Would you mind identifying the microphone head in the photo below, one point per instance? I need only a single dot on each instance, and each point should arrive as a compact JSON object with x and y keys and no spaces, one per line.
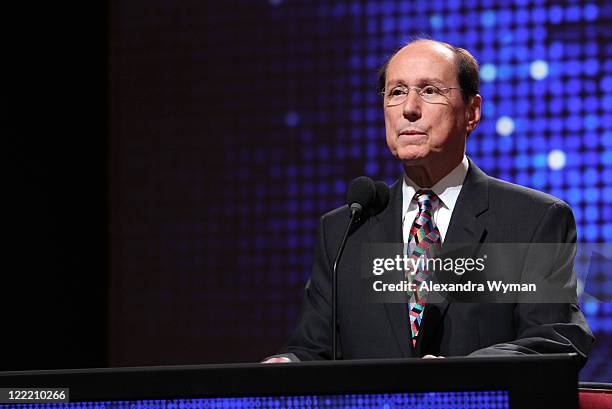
{"x":361,"y":192}
{"x":382,"y":197}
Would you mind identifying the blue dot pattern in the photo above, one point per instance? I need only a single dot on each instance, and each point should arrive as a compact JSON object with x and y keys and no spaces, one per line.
{"x":431,"y":400}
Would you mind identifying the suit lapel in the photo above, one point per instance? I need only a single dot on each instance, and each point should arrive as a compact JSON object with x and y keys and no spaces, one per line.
{"x":465,"y":227}
{"x":387,"y":228}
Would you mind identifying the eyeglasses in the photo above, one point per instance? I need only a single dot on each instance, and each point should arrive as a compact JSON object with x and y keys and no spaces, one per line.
{"x":428,"y":93}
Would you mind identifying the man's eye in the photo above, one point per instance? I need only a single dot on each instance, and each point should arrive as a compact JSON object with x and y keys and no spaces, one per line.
{"x":396,"y":92}
{"x":430,"y":90}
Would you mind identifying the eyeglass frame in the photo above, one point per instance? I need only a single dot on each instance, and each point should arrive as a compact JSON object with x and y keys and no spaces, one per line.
{"x":418,"y":90}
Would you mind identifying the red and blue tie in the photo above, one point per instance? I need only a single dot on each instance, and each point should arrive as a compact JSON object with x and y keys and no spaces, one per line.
{"x":425,"y":238}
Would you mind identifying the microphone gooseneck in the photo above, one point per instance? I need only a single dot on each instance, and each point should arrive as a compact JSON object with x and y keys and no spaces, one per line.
{"x":364,"y":196}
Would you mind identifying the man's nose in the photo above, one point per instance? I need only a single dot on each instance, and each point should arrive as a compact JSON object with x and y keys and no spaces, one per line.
{"x":411,"y":108}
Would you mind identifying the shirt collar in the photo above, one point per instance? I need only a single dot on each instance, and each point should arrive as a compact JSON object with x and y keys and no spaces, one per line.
{"x":447,"y":189}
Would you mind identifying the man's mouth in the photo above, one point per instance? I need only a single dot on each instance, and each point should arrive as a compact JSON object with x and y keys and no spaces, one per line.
{"x":412,"y":137}
{"x":412,"y":132}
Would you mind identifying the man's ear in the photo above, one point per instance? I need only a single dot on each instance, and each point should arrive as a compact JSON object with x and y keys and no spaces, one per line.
{"x":473,"y":112}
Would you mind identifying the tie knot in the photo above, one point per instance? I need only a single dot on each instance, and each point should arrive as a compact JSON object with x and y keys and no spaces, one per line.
{"x":426,"y":198}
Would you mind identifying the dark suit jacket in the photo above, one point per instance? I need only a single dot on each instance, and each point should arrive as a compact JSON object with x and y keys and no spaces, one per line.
{"x":487,"y":210}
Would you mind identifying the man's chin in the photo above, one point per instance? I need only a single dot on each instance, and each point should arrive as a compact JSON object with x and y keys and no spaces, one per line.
{"x":412,"y":158}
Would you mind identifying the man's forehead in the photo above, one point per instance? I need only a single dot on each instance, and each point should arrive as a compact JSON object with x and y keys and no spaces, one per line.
{"x":425,"y":59}
{"x":428,"y":47}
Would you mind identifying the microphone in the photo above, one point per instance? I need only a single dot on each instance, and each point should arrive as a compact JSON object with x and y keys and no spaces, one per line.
{"x":361,"y":194}
{"x":364,"y":196}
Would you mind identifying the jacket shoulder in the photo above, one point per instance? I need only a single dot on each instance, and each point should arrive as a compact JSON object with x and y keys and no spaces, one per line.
{"x":511,"y":194}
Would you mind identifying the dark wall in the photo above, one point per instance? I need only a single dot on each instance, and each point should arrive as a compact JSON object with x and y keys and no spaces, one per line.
{"x":205,"y":265}
{"x":55,"y":265}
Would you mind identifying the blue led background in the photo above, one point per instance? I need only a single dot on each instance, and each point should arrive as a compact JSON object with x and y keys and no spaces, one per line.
{"x":235,"y":125}
{"x":429,"y":400}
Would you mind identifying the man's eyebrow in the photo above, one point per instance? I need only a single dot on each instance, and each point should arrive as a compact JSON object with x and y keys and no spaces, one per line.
{"x":420,"y":82}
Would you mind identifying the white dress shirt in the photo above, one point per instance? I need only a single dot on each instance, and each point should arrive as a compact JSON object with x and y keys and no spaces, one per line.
{"x":447,"y":189}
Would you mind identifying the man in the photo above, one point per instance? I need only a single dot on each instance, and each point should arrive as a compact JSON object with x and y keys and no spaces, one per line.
{"x":431,"y":104}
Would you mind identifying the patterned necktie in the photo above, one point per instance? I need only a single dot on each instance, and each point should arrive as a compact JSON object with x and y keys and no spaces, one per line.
{"x":425,"y":237}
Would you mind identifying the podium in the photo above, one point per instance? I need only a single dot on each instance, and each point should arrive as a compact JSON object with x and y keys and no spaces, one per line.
{"x":542,"y":381}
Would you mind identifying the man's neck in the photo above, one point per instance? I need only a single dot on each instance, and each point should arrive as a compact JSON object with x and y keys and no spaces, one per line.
{"x":426,"y":176}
